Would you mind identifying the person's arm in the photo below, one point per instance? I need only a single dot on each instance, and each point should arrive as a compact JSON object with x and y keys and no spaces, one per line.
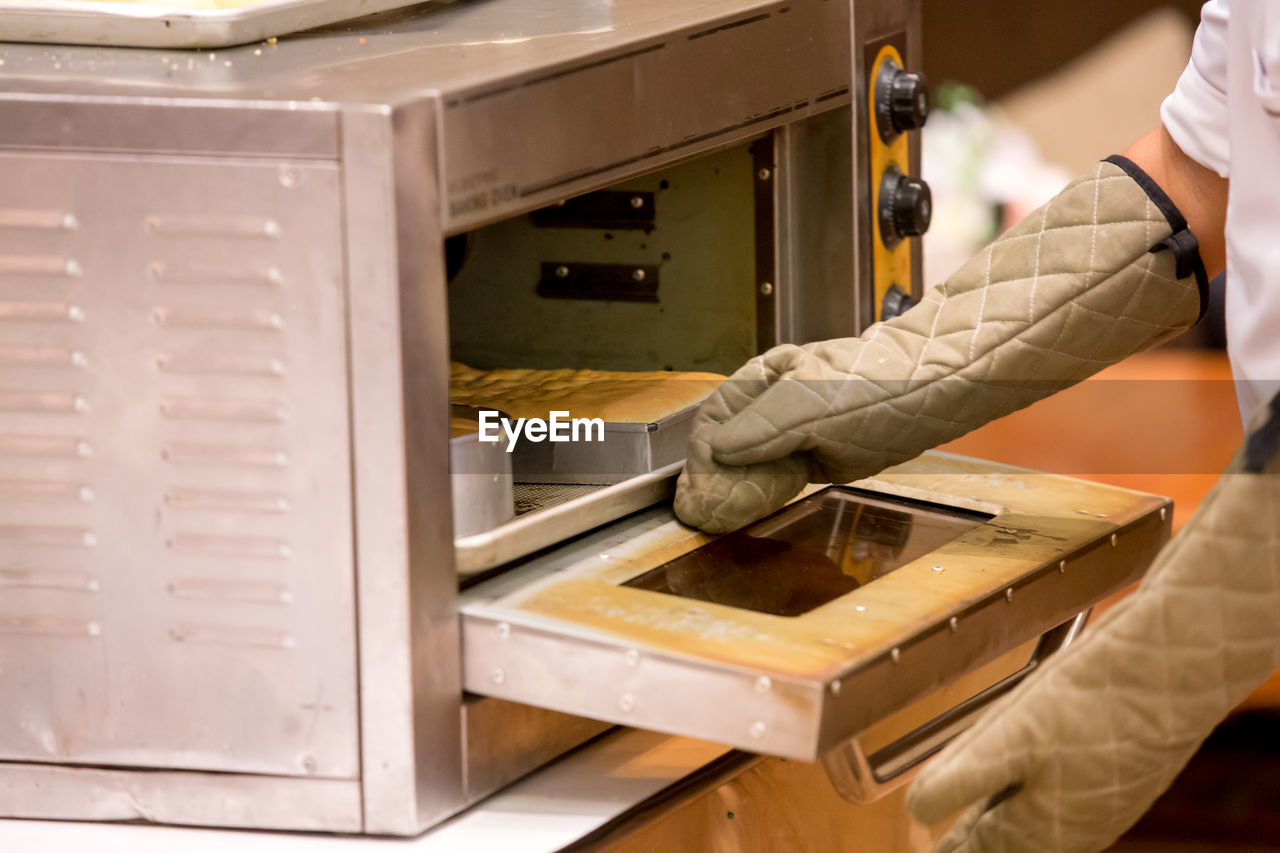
{"x":1199,"y":193}
{"x":1072,"y":758}
{"x":1106,"y":268}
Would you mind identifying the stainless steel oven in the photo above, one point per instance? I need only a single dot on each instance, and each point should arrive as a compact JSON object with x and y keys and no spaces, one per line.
{"x":231,"y":284}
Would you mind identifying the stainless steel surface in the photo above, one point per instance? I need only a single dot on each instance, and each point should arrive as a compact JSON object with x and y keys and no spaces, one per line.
{"x":863,"y":778}
{"x":530,"y":533}
{"x":176,"y":496}
{"x":813,"y":193}
{"x":411,"y":740}
{"x":500,"y":73}
{"x":177,"y":25}
{"x":625,"y":451}
{"x":562,"y":631}
{"x":480,"y":485}
{"x":75,"y":793}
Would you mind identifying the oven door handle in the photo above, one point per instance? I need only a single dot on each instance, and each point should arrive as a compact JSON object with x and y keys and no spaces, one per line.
{"x":863,"y":778}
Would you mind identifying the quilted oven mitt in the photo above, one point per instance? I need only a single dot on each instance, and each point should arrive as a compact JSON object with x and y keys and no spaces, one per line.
{"x":1079,"y":284}
{"x":1074,"y":755}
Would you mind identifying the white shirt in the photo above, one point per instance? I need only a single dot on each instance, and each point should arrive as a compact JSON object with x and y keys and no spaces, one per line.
{"x":1225,"y":115}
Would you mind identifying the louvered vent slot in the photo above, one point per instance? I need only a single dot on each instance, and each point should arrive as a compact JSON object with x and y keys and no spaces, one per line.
{"x":47,"y":496}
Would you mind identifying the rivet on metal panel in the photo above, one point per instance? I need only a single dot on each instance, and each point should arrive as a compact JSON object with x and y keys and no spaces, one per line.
{"x":895,"y":655}
{"x":835,"y":687}
{"x":758,"y":729}
{"x":94,"y":629}
{"x":79,"y":359}
{"x":766,"y":288}
{"x":1062,"y":567}
{"x":288,"y":176}
{"x":562,"y":271}
{"x":939,"y":569}
{"x":73,"y":267}
{"x":627,"y":702}
{"x":636,"y":201}
{"x":954,"y":623}
{"x":504,"y":630}
{"x":308,"y":764}
{"x":633,"y":657}
{"x":75,"y":314}
{"x":764,"y":684}
{"x":1114,"y":540}
{"x":84,"y":449}
{"x":637,"y":275}
{"x":89,"y":539}
{"x":271,"y":228}
{"x":497,"y":676}
{"x":69,"y":222}
{"x":1008,"y":594}
{"x":275,"y":276}
{"x":86,"y":494}
{"x":80,"y":404}
{"x":764,"y":174}
{"x":1163,"y":512}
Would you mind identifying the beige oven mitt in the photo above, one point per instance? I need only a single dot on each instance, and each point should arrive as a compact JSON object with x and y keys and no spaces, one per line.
{"x":1073,"y":756}
{"x":1079,"y":284}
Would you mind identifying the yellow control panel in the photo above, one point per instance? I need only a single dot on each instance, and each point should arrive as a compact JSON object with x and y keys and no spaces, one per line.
{"x":891,"y":259}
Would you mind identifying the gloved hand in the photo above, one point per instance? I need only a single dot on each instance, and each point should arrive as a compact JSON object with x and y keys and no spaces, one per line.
{"x":1077,"y":285}
{"x":1078,"y":752}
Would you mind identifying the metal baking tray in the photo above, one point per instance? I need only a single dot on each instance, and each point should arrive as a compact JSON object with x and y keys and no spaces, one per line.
{"x":173,"y":26}
{"x":536,"y":530}
{"x":627,"y":450}
{"x":481,"y":485}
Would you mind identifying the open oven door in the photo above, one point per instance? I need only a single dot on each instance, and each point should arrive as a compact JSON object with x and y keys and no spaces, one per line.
{"x":862,"y":625}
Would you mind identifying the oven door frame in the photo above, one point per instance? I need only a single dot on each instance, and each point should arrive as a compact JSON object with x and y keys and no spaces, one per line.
{"x":560,"y":631}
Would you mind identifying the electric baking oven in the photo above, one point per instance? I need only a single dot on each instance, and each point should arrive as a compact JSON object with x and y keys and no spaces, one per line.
{"x":235,"y":589}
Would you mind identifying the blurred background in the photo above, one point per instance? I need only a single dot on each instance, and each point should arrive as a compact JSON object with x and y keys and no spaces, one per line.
{"x":1027,"y":96}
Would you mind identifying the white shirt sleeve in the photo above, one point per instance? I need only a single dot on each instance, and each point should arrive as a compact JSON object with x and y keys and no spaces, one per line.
{"x":1195,"y":113}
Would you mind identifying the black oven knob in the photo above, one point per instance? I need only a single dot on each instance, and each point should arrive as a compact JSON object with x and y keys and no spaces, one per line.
{"x":902,"y":100}
{"x":905,"y":208}
{"x":896,"y":302}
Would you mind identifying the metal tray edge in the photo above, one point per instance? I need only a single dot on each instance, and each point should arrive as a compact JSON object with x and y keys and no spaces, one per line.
{"x":146,"y":25}
{"x":515,"y":539}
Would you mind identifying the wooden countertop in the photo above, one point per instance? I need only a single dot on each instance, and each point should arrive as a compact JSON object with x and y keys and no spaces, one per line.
{"x":1164,"y":422}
